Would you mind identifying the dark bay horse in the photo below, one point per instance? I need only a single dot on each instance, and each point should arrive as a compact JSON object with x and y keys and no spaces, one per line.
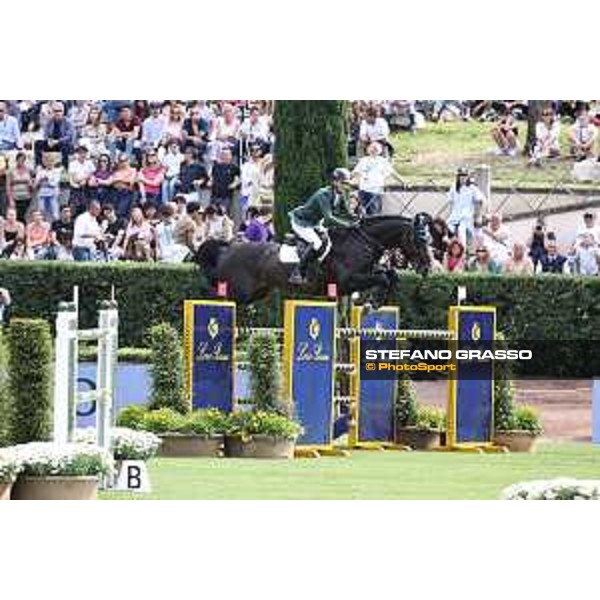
{"x":253,"y":271}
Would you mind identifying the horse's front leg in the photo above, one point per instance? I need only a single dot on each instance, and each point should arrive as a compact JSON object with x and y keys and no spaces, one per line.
{"x":378,"y":284}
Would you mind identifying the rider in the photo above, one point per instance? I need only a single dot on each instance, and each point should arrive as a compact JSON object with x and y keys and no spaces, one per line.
{"x":326,"y":207}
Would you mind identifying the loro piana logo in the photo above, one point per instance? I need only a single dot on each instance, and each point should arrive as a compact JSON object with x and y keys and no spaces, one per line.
{"x":213,"y":328}
{"x":314,"y":328}
{"x":476,"y":332}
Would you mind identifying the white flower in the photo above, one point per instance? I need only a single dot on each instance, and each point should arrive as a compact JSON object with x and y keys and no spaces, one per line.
{"x":126,"y":444}
{"x":554,"y":489}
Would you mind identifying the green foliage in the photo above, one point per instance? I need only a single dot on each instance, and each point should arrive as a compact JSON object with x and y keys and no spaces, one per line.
{"x":30,"y":376}
{"x":5,"y":404}
{"x":526,"y":418}
{"x":504,"y":389}
{"x":311,"y":142}
{"x":265,"y":374}
{"x":166,"y":369}
{"x":210,"y":421}
{"x":430,"y":417}
{"x":163,"y":420}
{"x":406,"y":402}
{"x":247,"y":424}
{"x":132,"y":416}
{"x":124,"y":355}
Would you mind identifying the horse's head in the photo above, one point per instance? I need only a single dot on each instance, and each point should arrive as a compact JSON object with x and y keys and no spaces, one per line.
{"x":423,"y":224}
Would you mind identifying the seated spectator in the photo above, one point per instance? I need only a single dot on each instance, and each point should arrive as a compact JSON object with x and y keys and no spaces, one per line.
{"x":47,"y":185}
{"x":37,"y":235}
{"x":62,"y":228}
{"x":81,"y":171}
{"x":553,"y":261}
{"x":519,"y":263}
{"x":87,"y":233}
{"x":78,"y":115}
{"x":255,"y":130}
{"x":4,"y":171}
{"x":374,"y":128}
{"x":153,"y":127}
{"x":59,"y":136}
{"x":496,"y":238}
{"x":102,"y":180}
{"x":151,"y":177}
{"x":225,"y":180}
{"x":189,"y":227}
{"x":483,"y":263}
{"x":505,"y":133}
{"x":168,"y":250}
{"x":217,"y":225}
{"x":11,"y":230}
{"x":113,"y":232}
{"x":139,"y":236}
{"x":196,"y":131}
{"x":171,"y":161}
{"x":141,"y":109}
{"x":582,"y":137}
{"x":454,"y":261}
{"x":124,"y":136}
{"x":588,"y":227}
{"x":94,"y":132}
{"x":371,"y":173}
{"x":440,"y":235}
{"x":537,"y":244}
{"x":255,"y":228}
{"x":547,"y":136}
{"x":174,"y":123}
{"x":124,"y":181}
{"x":587,"y":256}
{"x":226,"y":131}
{"x":20,"y":186}
{"x":10,"y":132}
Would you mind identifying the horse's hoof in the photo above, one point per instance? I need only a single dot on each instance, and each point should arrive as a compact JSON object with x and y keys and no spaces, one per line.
{"x":367,"y":308}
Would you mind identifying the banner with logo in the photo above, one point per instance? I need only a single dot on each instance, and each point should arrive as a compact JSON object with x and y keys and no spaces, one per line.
{"x":209,"y":334}
{"x":309,"y":357}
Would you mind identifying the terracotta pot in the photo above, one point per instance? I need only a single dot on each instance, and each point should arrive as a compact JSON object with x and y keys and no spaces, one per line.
{"x":419,"y":439}
{"x":259,"y":446}
{"x":55,"y":488}
{"x":183,"y":445}
{"x":516,"y":441}
{"x":5,"y":488}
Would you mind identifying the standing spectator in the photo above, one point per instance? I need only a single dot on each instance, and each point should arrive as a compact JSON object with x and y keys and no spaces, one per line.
{"x":586,"y":256}
{"x":171,"y":160}
{"x":250,"y":179}
{"x":193,"y":177}
{"x":11,"y":231}
{"x":255,"y":130}
{"x":537,"y":244}
{"x":372,"y":171}
{"x":59,"y":136}
{"x":153,"y":128}
{"x":225,"y":180}
{"x":20,"y":185}
{"x":87,"y":233}
{"x":582,"y":137}
{"x":454,"y":262}
{"x":81,"y":171}
{"x":374,"y":128}
{"x":124,"y":180}
{"x":505,"y":134}
{"x":47,"y":184}
{"x":125,"y":133}
{"x":519,"y":263}
{"x":94,"y":132}
{"x":151,"y":178}
{"x":553,"y":261}
{"x":588,"y":227}
{"x":10,"y":132}
{"x":547,"y":134}
{"x":37,"y":235}
{"x":101,"y":182}
{"x":463,"y":198}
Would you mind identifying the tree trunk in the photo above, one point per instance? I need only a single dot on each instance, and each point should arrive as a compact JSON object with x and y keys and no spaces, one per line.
{"x":534,"y":114}
{"x":310,"y":141}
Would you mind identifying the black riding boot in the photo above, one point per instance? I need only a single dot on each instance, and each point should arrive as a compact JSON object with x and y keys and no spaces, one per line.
{"x":298,"y":275}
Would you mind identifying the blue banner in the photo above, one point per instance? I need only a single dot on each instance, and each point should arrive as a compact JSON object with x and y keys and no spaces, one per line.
{"x":310,"y":371}
{"x":210,"y":353}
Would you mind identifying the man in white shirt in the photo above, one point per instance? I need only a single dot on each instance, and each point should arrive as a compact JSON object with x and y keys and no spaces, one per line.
{"x":371,"y":172}
{"x":81,"y":169}
{"x":250,"y":176}
{"x":254,"y":129}
{"x":588,"y":227}
{"x":374,"y":129}
{"x":10,"y":132}
{"x":86,"y":233}
{"x":153,"y":128}
{"x":582,"y":137}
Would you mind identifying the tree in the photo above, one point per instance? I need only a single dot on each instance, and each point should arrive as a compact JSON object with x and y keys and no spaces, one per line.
{"x":534,"y":113}
{"x":311,"y":141}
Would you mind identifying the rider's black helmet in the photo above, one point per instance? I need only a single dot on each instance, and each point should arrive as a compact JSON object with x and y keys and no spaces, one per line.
{"x":341,"y":174}
{"x":462,"y":171}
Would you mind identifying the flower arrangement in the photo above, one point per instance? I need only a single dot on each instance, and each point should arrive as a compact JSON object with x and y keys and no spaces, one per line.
{"x":248,"y":424}
{"x":126,"y":444}
{"x":9,"y":466}
{"x":47,"y":459}
{"x":554,"y":489}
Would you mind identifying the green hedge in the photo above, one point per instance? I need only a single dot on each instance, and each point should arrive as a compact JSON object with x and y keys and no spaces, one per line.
{"x":5,"y":404}
{"x":549,"y":307}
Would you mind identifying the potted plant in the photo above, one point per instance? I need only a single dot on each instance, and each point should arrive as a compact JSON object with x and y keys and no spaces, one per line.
{"x":261,"y":434}
{"x":199,"y":433}
{"x":9,"y":469}
{"x":520,"y":431}
{"x":52,"y":471}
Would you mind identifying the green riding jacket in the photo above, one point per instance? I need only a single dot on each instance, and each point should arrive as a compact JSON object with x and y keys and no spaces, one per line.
{"x":323,"y":207}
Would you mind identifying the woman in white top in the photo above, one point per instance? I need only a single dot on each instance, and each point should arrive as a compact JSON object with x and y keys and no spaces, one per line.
{"x":547,"y":134}
{"x":463,"y":198}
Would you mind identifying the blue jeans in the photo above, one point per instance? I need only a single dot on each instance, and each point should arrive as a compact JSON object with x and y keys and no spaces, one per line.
{"x":168,"y":189}
{"x":371,"y":203}
{"x":123,"y":200}
{"x":82,"y":254}
{"x":48,"y":205}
